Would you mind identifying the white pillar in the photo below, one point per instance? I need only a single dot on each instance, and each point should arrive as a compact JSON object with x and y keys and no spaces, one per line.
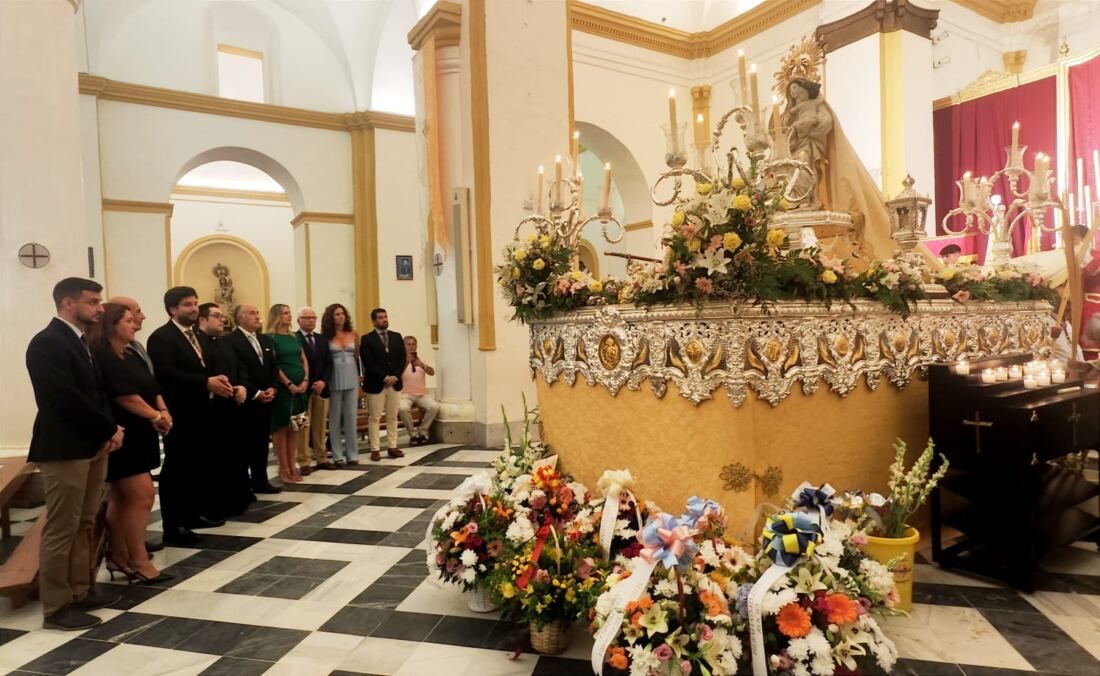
{"x":41,"y":192}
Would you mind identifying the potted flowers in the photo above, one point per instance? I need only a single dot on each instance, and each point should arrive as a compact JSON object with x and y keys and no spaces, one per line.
{"x":890,"y":538}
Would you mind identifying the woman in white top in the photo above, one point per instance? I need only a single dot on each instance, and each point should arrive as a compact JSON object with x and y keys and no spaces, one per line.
{"x":414,"y":391}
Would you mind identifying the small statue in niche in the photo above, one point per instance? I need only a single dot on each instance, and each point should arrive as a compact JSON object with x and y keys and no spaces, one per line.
{"x":223,"y":295}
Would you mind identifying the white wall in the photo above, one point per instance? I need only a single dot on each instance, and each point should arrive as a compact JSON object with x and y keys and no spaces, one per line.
{"x":135,"y":262}
{"x":264,"y":225}
{"x":856,"y":100}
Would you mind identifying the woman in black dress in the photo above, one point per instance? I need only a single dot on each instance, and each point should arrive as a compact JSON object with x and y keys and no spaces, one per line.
{"x":140,"y":410}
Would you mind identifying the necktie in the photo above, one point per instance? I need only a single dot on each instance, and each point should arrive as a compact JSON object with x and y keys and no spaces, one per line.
{"x":194,"y":340}
{"x":256,"y":346}
{"x":84,"y":344}
{"x":385,"y":341}
{"x":309,"y":341}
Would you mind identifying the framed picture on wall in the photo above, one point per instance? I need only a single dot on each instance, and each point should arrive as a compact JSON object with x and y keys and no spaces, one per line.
{"x":404,"y":267}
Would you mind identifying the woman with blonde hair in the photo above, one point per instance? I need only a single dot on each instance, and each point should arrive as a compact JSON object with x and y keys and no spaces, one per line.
{"x":291,"y":392}
{"x":138,"y":407}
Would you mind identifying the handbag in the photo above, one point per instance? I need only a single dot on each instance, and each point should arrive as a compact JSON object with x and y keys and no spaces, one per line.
{"x":298,"y":421}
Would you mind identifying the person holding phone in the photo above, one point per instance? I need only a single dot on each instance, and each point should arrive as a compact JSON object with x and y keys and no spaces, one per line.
{"x":415,"y":392}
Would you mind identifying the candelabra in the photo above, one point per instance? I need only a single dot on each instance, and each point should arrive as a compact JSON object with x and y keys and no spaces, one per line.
{"x":985,"y":212}
{"x":567,"y":220}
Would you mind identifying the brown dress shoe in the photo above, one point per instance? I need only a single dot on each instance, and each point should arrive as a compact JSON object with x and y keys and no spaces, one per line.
{"x":396,"y":453}
{"x":306,"y":470}
{"x":375,"y":456}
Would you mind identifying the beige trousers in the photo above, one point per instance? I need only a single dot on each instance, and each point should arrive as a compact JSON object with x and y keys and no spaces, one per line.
{"x":74,"y":491}
{"x":318,"y":418}
{"x":387,"y":401}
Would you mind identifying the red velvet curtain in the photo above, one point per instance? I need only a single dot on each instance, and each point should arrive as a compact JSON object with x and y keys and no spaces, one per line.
{"x":1084,"y":102}
{"x":972,"y":136}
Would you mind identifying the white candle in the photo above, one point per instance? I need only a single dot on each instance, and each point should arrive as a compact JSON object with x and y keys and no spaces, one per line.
{"x":1015,"y":137}
{"x":755,"y":96}
{"x":1002,"y":374}
{"x":1043,"y":379}
{"x":540,"y":190}
{"x":968,"y":188}
{"x":605,"y":197}
{"x":1096,"y":170}
{"x":963,"y":368}
{"x":1058,"y":377}
{"x":1086,"y":205}
{"x":1080,"y":176}
{"x":672,"y":119}
{"x":557,"y":179}
{"x":1030,"y":383}
{"x":742,"y":74}
{"x":1072,"y":213}
{"x":1015,"y":371}
{"x":575,"y":151}
{"x":988,"y":376}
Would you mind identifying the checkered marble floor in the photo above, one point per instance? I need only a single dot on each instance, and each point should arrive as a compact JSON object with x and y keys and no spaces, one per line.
{"x":327,"y":578}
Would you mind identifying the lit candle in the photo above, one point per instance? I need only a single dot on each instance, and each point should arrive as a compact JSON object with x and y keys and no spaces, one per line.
{"x":580,"y":193}
{"x":1015,"y":371}
{"x":540,"y":190}
{"x":1096,"y":170}
{"x":1015,"y":137}
{"x":672,"y":126}
{"x":1058,"y":377}
{"x":755,"y":96}
{"x":605,"y":197}
{"x":1030,"y":383}
{"x":1080,"y":176}
{"x":969,"y":190}
{"x":963,"y":367}
{"x":575,"y":151}
{"x":1043,"y":379}
{"x":700,"y":133}
{"x":742,"y":74}
{"x":1086,"y":204}
{"x":989,"y":376}
{"x":557,"y":179}
{"x":1002,"y":374}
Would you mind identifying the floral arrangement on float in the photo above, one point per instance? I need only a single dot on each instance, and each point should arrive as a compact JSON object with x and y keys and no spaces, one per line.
{"x":1004,"y":282}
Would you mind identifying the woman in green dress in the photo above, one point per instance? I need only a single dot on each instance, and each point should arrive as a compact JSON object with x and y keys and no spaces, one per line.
{"x":291,"y":396}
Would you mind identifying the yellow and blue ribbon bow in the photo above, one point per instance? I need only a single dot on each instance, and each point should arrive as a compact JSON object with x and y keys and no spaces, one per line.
{"x":788,"y":536}
{"x":815,"y":499}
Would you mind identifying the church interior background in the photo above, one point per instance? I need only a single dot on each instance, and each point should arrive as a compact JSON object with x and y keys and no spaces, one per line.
{"x":292,"y":151}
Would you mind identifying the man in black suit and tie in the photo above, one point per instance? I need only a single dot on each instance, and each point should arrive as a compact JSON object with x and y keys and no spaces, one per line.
{"x":73,"y":433}
{"x":179,"y":362}
{"x":230,"y":467}
{"x":319,"y":358}
{"x":256,"y":359}
{"x":382,"y":353}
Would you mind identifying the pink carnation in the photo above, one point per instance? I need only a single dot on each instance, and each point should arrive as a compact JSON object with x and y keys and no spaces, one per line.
{"x":681,"y":268}
{"x":688,"y":230}
{"x":704,"y":284}
{"x":715,"y":243}
{"x":962,"y":295}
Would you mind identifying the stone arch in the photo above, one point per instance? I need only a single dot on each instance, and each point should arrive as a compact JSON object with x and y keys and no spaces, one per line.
{"x":627,"y":174}
{"x":263,"y":162}
{"x":248,"y":253}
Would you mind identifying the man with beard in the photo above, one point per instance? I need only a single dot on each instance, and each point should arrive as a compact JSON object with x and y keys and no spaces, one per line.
{"x":228,"y":467}
{"x":180,"y":364}
{"x":74,"y":431}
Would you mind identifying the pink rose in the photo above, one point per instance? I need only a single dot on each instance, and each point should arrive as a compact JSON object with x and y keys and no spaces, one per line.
{"x":542,"y":576}
{"x":706,"y":633}
{"x":685,"y":667}
{"x":663,"y":652}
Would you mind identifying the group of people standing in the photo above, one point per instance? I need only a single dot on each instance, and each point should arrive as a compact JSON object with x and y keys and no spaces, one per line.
{"x":217,"y":398}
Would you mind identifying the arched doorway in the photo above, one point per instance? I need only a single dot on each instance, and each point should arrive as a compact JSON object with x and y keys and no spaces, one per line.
{"x":224,"y":269}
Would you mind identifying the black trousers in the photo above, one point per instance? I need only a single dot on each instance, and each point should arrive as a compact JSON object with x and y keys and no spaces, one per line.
{"x":181,"y":473}
{"x":229,"y":478}
{"x":254,"y":439}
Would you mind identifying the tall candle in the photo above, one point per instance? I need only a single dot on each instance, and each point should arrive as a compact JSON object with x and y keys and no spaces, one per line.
{"x":540,"y":191}
{"x":755,"y":95}
{"x":605,"y":197}
{"x":968,"y":187}
{"x":700,"y":132}
{"x":1072,"y":213}
{"x":557,"y":179}
{"x":1080,"y":176}
{"x":672,"y":114}
{"x":742,"y":74}
{"x":1015,"y":137}
{"x":574,"y":152}
{"x":1042,"y":173}
{"x":1086,"y":204}
{"x":1096,"y":170}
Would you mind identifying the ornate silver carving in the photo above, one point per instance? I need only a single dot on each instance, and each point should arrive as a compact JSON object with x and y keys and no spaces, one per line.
{"x":745,"y":348}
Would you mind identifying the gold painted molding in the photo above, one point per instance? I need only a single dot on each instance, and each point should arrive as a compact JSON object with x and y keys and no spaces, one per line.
{"x":443,"y":20}
{"x":640,"y":225}
{"x":631,"y":30}
{"x":322,"y":217}
{"x":1014,"y":61}
{"x":138,"y":207}
{"x":125,"y":92}
{"x":1001,"y":11}
{"x":176,"y":273}
{"x":483,"y":230}
{"x":240,"y":51}
{"x":991,"y":82}
{"x":204,"y":191}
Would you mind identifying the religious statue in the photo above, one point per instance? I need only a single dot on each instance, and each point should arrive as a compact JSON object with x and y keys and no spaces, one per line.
{"x":223,"y":295}
{"x":808,"y":122}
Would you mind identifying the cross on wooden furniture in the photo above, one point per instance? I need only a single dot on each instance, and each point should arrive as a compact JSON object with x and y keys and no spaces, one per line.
{"x":34,"y":255}
{"x":977,"y":423}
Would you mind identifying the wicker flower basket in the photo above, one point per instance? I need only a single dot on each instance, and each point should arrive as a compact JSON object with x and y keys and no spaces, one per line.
{"x":478,"y":599}
{"x":552,"y":639}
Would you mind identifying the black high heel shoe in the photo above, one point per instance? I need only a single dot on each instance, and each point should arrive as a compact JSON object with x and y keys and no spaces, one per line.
{"x":114,"y":567}
{"x":145,"y":579}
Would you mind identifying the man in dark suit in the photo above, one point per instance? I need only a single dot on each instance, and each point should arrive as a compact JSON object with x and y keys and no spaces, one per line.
{"x":179,"y":362}
{"x":73,"y":433}
{"x":256,"y":359}
{"x":382,"y":353}
{"x":230,"y":467}
{"x":319,"y":358}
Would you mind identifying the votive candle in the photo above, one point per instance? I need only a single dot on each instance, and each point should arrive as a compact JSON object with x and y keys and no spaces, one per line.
{"x":1030,"y":383}
{"x":1002,"y":374}
{"x":963,"y":368}
{"x":1058,"y":377}
{"x":1015,"y":371}
{"x":1043,"y":378}
{"x":989,"y":376}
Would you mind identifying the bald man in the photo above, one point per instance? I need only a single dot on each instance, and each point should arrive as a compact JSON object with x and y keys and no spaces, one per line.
{"x":256,"y":362}
{"x":139,"y":318}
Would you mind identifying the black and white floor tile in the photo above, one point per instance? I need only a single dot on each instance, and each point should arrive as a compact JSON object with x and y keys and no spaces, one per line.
{"x":328,"y":578}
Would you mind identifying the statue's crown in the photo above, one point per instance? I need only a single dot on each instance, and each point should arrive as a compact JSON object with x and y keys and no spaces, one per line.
{"x":802,"y":62}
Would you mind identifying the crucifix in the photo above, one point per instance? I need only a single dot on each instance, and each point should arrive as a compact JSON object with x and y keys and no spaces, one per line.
{"x":977,"y":423}
{"x":437,"y":263}
{"x":34,"y":255}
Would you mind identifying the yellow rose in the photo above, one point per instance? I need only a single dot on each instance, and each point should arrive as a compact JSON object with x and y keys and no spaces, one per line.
{"x":947,"y":273}
{"x":520,"y":254}
{"x":577,"y":275}
{"x":738,"y":183}
{"x":776,"y":238}
{"x":507,"y":590}
{"x":704,"y":188}
{"x":539,"y":264}
{"x":595,"y":286}
{"x":784,"y":204}
{"x":741,"y":203}
{"x":694,"y":244}
{"x":731,"y":241}
{"x":678,"y":218}
{"x":544,"y":241}
{"x":515,"y":273}
{"x":531,"y":239}
{"x":829,"y":277}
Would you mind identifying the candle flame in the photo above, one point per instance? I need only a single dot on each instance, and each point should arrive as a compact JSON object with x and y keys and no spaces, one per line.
{"x":740,"y":52}
{"x":541,"y":170}
{"x":557,"y":158}
{"x":1015,"y":125}
{"x":671,"y":93}
{"x":699,"y":117}
{"x":607,"y":166}
{"x":752,"y":68}
{"x":576,"y":134}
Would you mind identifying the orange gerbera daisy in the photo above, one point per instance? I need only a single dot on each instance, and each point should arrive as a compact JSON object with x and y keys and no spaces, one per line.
{"x":714,"y":604}
{"x":842,"y":610}
{"x":794,"y":621}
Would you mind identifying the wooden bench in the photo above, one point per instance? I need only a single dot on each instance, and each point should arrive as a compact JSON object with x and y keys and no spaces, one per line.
{"x":19,"y":574}
{"x":13,"y":474}
{"x":362,"y":419}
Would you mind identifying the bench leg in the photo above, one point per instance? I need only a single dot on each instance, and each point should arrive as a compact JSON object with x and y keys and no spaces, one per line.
{"x":5,"y":522}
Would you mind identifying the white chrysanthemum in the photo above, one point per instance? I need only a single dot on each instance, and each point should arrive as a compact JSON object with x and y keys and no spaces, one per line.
{"x":579,"y":489}
{"x":469,"y":576}
{"x":520,"y":531}
{"x":818,"y":643}
{"x":710,"y":556}
{"x":665,"y":588}
{"x":823,"y":665}
{"x":481,"y":568}
{"x":799,"y":669}
{"x":450,"y":521}
{"x":798,"y":649}
{"x":774,"y":601}
{"x":877,"y":575}
{"x":642,"y":661}
{"x":468,"y":557}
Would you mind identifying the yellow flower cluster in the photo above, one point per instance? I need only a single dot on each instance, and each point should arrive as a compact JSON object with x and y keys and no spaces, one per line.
{"x":538,"y":264}
{"x":741,"y":202}
{"x":776,"y":238}
{"x":731,"y":240}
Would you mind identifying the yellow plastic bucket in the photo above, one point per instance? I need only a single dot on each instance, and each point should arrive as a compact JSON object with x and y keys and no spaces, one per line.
{"x":885,"y":550}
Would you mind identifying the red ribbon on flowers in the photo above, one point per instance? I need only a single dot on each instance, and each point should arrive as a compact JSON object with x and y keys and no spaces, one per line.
{"x":540,"y":541}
